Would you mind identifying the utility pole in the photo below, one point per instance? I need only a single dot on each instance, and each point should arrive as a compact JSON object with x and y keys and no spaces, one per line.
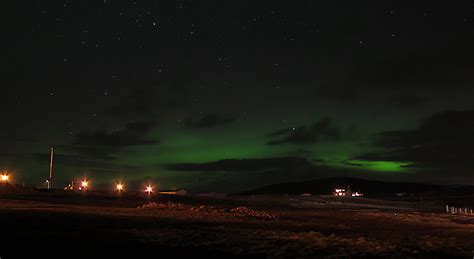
{"x":50,"y":183}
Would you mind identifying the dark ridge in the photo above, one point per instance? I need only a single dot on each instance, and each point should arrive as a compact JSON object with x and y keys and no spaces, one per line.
{"x":368,"y":187}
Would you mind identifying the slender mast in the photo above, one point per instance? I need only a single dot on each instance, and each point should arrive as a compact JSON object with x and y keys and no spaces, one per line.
{"x":51,"y":169}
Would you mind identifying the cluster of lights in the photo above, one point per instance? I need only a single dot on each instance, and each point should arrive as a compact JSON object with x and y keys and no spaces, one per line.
{"x":340,"y":192}
{"x":119,"y":187}
{"x":84,"y":185}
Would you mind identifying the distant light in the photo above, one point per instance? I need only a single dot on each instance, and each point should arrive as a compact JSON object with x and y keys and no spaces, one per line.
{"x":5,"y":177}
{"x":120,"y":187}
{"x":84,"y":184}
{"x":340,"y":192}
{"x":149,"y":189}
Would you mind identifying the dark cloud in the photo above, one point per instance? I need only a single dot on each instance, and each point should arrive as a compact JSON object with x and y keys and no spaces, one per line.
{"x":102,"y":144}
{"x":175,"y":91}
{"x":305,"y":135}
{"x":345,"y":93}
{"x":407,"y":100}
{"x":426,"y":67}
{"x":243,"y":164}
{"x":138,"y":102}
{"x":408,"y":75}
{"x":318,"y":160}
{"x":149,"y":102}
{"x":444,"y":140}
{"x":95,"y":151}
{"x":353,"y":164}
{"x":304,"y":151}
{"x":132,"y":135}
{"x":76,"y":160}
{"x":102,"y":153}
{"x":207,"y":121}
{"x":17,"y":139}
{"x":62,"y":158}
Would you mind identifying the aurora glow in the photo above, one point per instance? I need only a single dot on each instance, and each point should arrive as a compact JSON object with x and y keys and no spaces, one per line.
{"x":383,"y":166}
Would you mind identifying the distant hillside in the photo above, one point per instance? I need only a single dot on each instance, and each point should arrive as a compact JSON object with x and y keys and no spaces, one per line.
{"x":368,"y":187}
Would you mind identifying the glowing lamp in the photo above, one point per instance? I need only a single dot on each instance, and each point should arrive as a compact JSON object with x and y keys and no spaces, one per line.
{"x":119,"y":187}
{"x":5,"y":177}
{"x":84,"y":184}
{"x":149,"y":189}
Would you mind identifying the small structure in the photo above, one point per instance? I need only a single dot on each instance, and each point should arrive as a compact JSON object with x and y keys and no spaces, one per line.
{"x":174,"y":192}
{"x":347,"y":192}
{"x":339,"y":192}
{"x":357,"y":194}
{"x":70,"y":187}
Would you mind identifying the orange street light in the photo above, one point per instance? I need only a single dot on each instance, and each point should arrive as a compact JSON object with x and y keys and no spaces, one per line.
{"x":149,"y":189}
{"x":84,"y":184}
{"x":5,"y":177}
{"x":119,"y":187}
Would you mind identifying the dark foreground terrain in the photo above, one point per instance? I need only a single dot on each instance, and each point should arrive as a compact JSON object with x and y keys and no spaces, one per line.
{"x":250,"y":226}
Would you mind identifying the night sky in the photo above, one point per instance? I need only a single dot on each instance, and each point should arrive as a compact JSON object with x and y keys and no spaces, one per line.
{"x":227,"y":96}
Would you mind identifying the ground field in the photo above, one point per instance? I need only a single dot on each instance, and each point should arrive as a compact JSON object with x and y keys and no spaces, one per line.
{"x":260,"y":226}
